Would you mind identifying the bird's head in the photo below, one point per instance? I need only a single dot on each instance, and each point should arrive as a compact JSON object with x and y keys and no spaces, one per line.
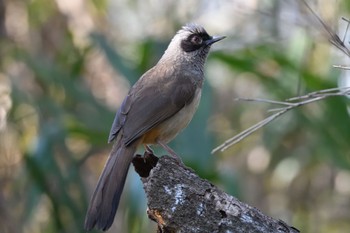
{"x":192,"y":42}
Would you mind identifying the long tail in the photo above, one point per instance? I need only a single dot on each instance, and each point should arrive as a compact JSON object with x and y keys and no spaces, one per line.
{"x":104,"y":202}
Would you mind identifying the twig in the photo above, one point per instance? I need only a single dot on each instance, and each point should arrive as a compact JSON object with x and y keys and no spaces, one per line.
{"x":333,"y":37}
{"x":264,"y":101}
{"x":306,"y":99}
{"x":239,"y":137}
{"x":342,"y":67}
{"x":347,"y":27}
{"x":336,"y":90}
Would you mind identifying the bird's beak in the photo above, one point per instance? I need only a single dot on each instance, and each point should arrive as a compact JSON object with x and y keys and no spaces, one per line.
{"x":214,"y":39}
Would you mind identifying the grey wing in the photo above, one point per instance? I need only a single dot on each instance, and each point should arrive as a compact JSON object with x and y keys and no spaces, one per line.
{"x":120,"y":117}
{"x":153,"y":103}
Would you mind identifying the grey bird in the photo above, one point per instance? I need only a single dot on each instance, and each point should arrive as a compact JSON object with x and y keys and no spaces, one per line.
{"x":158,"y":106}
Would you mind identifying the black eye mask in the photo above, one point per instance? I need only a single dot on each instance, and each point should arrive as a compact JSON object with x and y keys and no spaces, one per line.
{"x":188,"y":45}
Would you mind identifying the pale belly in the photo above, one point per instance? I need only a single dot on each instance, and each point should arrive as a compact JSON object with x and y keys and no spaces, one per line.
{"x":168,"y":130}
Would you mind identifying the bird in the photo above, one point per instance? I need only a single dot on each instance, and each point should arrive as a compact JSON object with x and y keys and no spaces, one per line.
{"x":157,"y":107}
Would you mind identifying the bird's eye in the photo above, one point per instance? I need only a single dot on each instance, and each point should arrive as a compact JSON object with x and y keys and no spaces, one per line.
{"x":196,"y":40}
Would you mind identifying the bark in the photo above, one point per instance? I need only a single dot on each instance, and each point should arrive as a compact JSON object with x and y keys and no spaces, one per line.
{"x":180,"y":201}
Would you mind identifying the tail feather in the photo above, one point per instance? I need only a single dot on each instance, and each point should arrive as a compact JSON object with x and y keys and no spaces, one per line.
{"x":105,"y":199}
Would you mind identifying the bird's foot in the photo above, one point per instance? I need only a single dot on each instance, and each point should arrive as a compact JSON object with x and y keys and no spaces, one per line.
{"x":148,"y":149}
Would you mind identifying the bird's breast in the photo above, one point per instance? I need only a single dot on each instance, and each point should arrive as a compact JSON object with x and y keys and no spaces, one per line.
{"x":167,"y":130}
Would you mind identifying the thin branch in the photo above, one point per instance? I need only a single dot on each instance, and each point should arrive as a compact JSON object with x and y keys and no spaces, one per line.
{"x":342,"y":67}
{"x":264,"y":101}
{"x":239,"y":137}
{"x":347,"y":27}
{"x":336,"y":91}
{"x":306,"y":99}
{"x":333,"y":37}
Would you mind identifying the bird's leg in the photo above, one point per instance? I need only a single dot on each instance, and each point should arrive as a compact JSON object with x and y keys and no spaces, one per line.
{"x":148,"y":149}
{"x":149,"y":161}
{"x":148,"y":152}
{"x":169,"y":150}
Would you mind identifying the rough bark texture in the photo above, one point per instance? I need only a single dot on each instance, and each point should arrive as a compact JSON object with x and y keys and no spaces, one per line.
{"x":180,"y":201}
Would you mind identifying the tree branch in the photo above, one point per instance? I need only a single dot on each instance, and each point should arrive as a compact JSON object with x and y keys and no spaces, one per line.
{"x":180,"y":201}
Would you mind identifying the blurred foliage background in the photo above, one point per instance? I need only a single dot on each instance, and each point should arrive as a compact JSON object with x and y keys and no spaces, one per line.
{"x":65,"y":67}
